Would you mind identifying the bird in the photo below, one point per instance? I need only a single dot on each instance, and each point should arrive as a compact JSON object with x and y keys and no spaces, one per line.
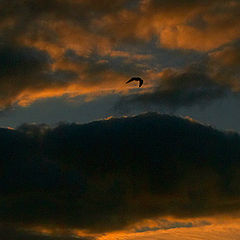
{"x":136,"y":79}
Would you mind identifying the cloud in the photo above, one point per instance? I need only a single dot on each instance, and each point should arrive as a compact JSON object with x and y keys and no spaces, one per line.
{"x":186,"y":24}
{"x":28,"y":74}
{"x":110,"y":174}
{"x":35,"y":35}
{"x":112,"y":42}
{"x":218,"y":231}
{"x":228,"y":56}
{"x":25,"y":71}
{"x":175,"y":89}
{"x":165,"y":224}
{"x":9,"y":233}
{"x":200,"y":83}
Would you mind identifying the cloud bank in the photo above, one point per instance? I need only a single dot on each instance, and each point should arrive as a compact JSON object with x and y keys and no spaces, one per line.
{"x":110,"y":174}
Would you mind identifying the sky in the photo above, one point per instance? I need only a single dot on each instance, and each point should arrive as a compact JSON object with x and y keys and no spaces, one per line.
{"x":85,"y":155}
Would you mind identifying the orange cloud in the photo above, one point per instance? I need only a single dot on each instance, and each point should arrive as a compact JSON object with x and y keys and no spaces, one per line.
{"x":130,"y":55}
{"x":105,"y":31}
{"x":216,"y":229}
{"x":219,"y":228}
{"x":193,"y":25}
{"x":72,"y":90}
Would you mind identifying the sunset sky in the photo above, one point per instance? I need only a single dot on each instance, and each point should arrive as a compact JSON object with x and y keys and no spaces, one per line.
{"x":86,"y":156}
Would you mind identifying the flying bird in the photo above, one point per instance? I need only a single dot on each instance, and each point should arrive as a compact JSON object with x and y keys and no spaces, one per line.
{"x":136,"y":79}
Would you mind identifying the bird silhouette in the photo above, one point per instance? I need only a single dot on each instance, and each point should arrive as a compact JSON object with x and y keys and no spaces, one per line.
{"x":136,"y":79}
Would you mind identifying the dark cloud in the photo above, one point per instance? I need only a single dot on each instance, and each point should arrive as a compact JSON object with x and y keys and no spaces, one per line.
{"x":24,"y":70}
{"x":106,"y":175}
{"x":177,"y":88}
{"x":97,"y":66}
{"x":33,"y":19}
{"x":9,"y":233}
{"x":214,"y":77}
{"x":164,"y":224}
{"x":20,"y":60}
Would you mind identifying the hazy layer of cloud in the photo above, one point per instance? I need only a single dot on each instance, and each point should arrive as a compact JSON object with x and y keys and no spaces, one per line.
{"x":110,"y":174}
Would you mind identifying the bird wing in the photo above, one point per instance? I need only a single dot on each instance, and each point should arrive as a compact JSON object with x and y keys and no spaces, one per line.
{"x":130,"y":80}
{"x":140,"y":82}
